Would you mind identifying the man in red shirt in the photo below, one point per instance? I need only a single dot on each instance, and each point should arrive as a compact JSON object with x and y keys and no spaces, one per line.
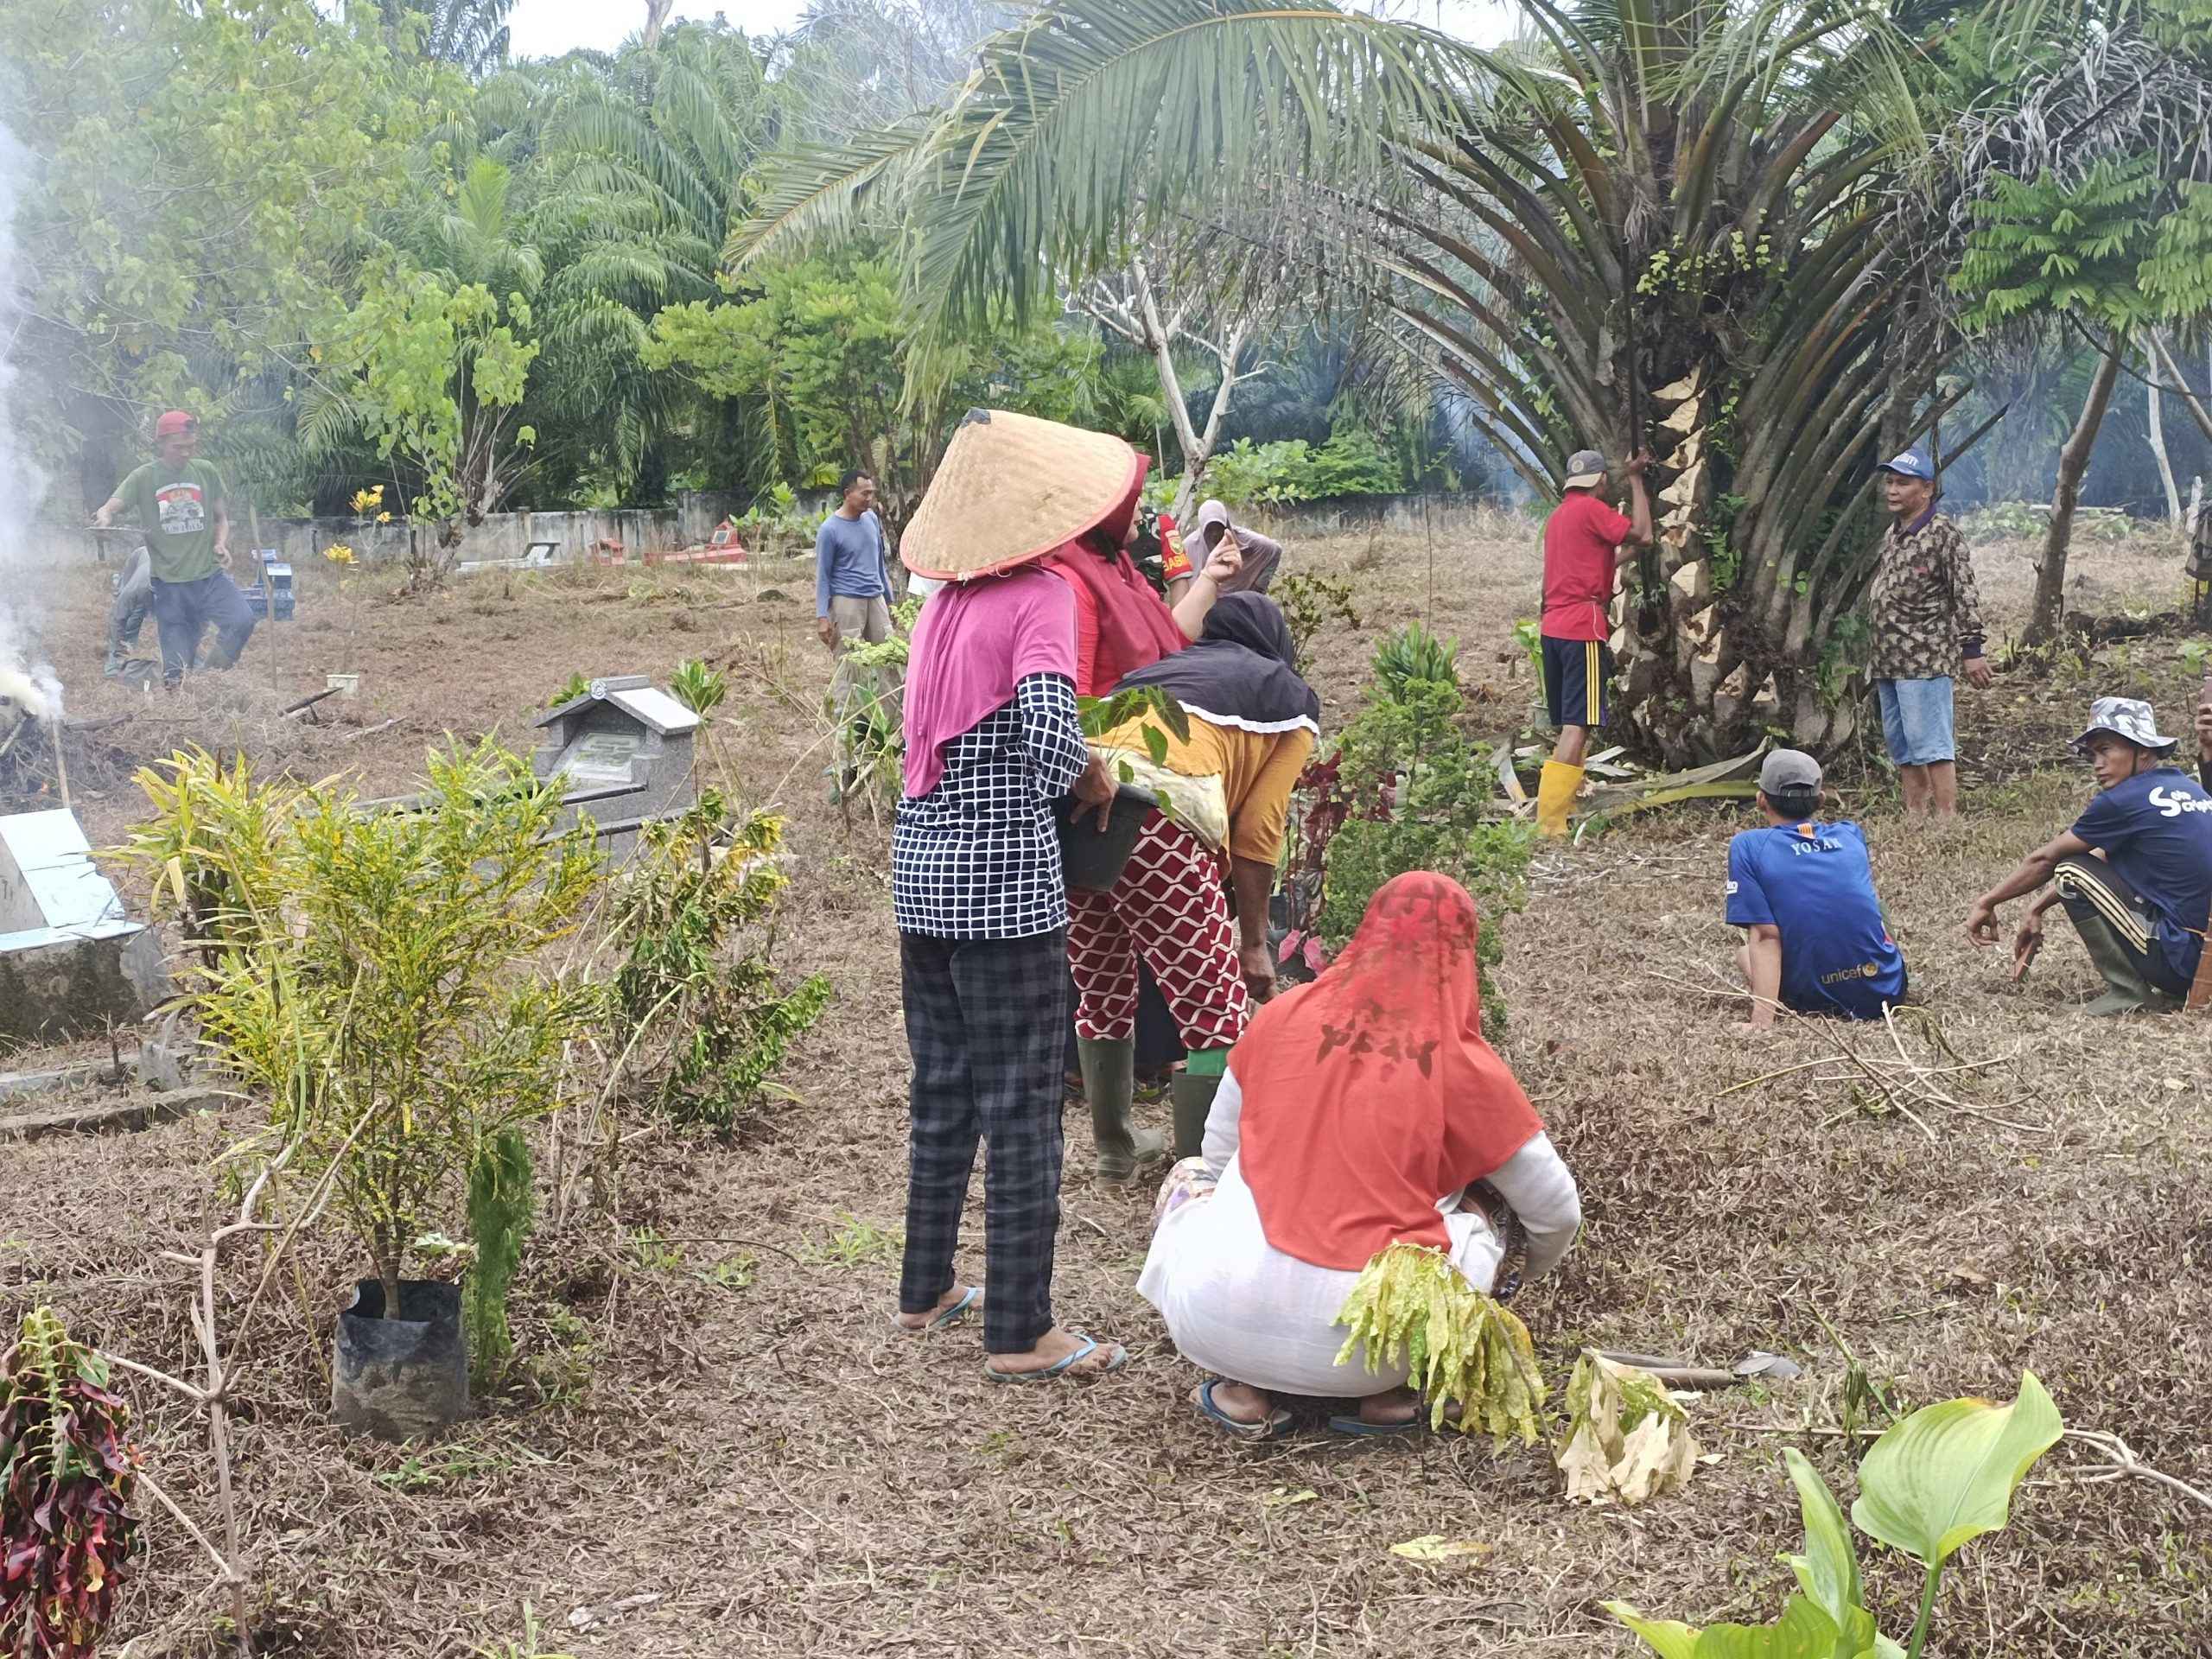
{"x":1585,"y":541}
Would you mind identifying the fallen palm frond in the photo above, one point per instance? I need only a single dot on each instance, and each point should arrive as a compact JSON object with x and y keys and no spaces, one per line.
{"x":1878,"y":1083}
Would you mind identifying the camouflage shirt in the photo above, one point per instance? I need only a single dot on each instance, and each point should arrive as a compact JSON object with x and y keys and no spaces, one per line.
{"x":1925,"y":614}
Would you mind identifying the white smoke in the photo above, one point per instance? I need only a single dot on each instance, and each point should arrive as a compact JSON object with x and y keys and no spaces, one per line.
{"x":22,"y":480}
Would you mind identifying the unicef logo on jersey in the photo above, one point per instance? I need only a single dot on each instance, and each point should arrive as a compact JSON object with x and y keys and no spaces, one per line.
{"x":2172,"y":803}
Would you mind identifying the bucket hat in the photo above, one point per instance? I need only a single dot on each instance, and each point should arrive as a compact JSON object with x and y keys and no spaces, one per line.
{"x":2127,"y":717}
{"x":1010,"y":489}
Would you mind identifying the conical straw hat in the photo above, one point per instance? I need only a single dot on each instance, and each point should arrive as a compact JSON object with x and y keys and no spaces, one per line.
{"x":1010,"y":489}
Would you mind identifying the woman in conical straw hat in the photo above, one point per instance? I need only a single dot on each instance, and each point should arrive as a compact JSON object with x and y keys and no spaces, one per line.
{"x":1009,"y":482}
{"x":993,"y":741}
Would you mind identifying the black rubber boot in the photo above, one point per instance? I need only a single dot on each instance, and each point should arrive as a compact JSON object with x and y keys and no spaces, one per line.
{"x":1109,"y":1085}
{"x":1193,"y":1098}
{"x":2129,"y":989}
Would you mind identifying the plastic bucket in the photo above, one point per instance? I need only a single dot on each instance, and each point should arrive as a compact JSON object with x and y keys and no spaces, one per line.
{"x":404,"y":1378}
{"x":1092,"y":858}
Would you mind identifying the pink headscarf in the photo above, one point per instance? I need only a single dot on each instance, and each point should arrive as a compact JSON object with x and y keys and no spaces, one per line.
{"x":974,"y":642}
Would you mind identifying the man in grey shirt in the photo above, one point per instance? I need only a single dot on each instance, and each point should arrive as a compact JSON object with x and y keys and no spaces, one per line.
{"x":852,"y":601}
{"x":852,"y":577}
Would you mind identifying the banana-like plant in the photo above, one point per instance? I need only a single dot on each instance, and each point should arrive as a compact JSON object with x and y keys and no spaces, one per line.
{"x":1703,"y":228}
{"x":1934,"y":1483}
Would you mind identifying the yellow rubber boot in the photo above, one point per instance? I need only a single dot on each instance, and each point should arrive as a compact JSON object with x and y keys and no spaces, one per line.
{"x":1555,"y":792}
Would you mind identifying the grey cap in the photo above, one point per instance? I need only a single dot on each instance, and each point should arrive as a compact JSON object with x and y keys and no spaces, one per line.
{"x":2127,"y":717}
{"x":1584,"y":467}
{"x":1788,"y":769}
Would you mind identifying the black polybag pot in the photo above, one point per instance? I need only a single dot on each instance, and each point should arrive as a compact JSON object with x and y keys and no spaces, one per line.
{"x":400,"y":1379}
{"x":1092,"y":858}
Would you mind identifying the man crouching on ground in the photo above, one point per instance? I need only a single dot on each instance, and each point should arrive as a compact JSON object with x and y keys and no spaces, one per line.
{"x":2134,"y":873}
{"x":1804,"y":890}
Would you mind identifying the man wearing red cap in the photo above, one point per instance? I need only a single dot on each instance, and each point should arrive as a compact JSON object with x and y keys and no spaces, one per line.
{"x":179,"y":504}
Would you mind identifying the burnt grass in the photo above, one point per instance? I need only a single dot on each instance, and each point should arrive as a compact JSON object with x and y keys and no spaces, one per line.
{"x":710,"y":1405}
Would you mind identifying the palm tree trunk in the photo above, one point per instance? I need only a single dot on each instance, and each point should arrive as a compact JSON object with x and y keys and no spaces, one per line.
{"x":2066,"y":493}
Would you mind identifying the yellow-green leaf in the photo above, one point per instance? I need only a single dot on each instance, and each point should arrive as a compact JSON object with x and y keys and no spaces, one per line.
{"x":1437,"y":1548}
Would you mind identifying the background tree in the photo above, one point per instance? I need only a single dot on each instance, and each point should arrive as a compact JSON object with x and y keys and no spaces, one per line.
{"x":1716,"y":201}
{"x":2073,"y":252}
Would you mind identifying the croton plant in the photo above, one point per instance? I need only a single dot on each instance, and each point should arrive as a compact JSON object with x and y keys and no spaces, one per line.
{"x":66,"y":1479}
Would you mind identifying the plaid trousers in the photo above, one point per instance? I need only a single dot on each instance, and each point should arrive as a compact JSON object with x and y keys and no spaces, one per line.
{"x":986,"y":1020}
{"x":1168,"y":907}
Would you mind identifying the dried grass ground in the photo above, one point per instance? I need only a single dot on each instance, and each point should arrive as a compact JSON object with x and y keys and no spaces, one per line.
{"x":760,"y":1447}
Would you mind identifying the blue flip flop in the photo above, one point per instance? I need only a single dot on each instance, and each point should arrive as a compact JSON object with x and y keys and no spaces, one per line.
{"x":1089,"y":1346}
{"x":951,"y":1316}
{"x":1359,"y":1428}
{"x":1273,"y":1424}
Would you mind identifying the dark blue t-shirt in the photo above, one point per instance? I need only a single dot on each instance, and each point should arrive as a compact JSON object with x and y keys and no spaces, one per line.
{"x":2155,"y":829}
{"x":1813,"y":881}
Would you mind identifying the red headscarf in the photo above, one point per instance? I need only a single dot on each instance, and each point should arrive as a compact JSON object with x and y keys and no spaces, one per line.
{"x":1135,"y":629}
{"x":1370,"y":1094}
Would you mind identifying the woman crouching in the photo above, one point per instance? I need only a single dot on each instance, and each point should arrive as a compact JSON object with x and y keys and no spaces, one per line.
{"x":1358,"y":1112}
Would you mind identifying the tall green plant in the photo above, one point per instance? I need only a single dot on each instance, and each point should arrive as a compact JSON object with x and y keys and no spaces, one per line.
{"x":693,"y":1008}
{"x":374,"y":967}
{"x":502,"y":1204}
{"x":1931,"y":1484}
{"x":1416,"y":795}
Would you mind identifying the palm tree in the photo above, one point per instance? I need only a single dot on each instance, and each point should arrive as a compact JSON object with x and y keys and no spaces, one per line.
{"x":471,"y":34}
{"x":1650,"y":223}
{"x":639,"y":168}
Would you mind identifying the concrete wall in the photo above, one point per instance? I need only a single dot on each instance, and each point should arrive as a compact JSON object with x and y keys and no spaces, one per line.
{"x":501,"y":536}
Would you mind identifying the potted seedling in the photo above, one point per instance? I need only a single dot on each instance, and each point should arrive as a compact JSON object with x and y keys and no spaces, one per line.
{"x":372,"y":968}
{"x":1093,"y":854}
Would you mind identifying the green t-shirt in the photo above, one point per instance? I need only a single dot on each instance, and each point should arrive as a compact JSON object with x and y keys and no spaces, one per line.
{"x":175,"y":507}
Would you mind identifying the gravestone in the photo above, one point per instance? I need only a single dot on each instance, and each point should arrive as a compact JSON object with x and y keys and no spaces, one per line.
{"x":72,"y":962}
{"x":624,"y":750}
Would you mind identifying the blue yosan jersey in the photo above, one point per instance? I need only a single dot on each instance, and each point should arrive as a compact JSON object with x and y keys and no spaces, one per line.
{"x":1815,"y":882}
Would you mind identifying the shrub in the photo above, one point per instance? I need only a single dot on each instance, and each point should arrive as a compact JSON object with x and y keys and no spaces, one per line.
{"x":693,"y":1008}
{"x":372,"y":966}
{"x":67,"y":1475}
{"x":1404,"y":790}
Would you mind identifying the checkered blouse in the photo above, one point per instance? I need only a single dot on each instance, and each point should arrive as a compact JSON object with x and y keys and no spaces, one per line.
{"x":978,"y":857}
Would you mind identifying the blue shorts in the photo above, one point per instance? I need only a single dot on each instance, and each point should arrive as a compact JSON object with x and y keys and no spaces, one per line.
{"x":1917,"y":720}
{"x":1575,"y":672}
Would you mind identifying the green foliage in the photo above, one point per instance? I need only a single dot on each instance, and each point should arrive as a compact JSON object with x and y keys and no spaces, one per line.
{"x":693,"y":1009}
{"x":203,"y":178}
{"x":68,"y":1474}
{"x":1417,"y":796}
{"x":502,"y":1204}
{"x":697,"y":687}
{"x":1939,"y":1479}
{"x":823,"y":345}
{"x":579,"y":685}
{"x":2038,"y":246}
{"x":855,"y":1243}
{"x":372,"y":968}
{"x":1414,"y":654}
{"x":1308,"y":602}
{"x":1352,"y":462}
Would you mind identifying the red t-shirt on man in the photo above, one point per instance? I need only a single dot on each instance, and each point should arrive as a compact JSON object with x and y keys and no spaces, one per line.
{"x":1580,"y":538}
